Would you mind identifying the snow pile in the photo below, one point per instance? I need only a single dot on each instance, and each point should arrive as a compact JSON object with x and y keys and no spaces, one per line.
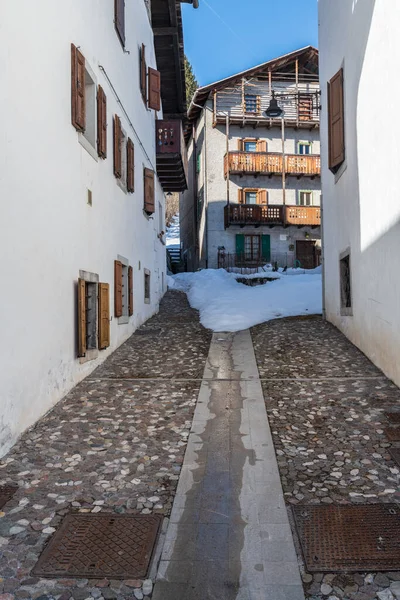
{"x":227,"y":305}
{"x":172,"y":234}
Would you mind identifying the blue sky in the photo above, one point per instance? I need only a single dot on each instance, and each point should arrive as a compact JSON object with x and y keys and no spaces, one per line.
{"x":223,"y":37}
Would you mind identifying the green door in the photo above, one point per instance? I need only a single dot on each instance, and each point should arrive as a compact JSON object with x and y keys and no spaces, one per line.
{"x":266,"y":248}
{"x":240,"y":244}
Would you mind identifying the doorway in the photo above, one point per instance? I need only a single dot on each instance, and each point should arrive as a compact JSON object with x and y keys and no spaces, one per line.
{"x":307,"y":254}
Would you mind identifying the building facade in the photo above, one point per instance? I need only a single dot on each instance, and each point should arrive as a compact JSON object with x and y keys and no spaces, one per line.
{"x":254,"y":182}
{"x":360,"y":175}
{"x":93,"y":98}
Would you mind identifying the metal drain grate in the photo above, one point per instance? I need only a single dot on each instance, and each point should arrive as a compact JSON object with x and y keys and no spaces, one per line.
{"x":393,"y":417}
{"x":393,"y":434}
{"x":99,"y":546}
{"x":6,"y":493}
{"x":395,"y":454}
{"x":349,"y":538}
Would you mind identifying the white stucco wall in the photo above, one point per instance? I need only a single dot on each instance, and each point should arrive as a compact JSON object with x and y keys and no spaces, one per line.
{"x":361,"y":204}
{"x":48,"y":231}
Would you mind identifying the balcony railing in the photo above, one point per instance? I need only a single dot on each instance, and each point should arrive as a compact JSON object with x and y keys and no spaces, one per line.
{"x":257,"y":215}
{"x":268,"y":163}
{"x":171,"y":156}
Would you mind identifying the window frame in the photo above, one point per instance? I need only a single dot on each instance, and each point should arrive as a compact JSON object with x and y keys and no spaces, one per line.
{"x":250,"y":191}
{"x":299,"y":192}
{"x":88,"y":137}
{"x":252,"y":236}
{"x":345,"y":310}
{"x":304,"y":143}
{"x":250,"y":141}
{"x":124,"y":318}
{"x":92,"y":280}
{"x":147,"y":286}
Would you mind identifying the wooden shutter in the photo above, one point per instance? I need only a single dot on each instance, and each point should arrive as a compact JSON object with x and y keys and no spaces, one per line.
{"x":130,"y":171}
{"x":119,"y":19}
{"x":78,"y":96}
{"x":266,"y":247}
{"x":262,"y":197}
{"x":143,"y":72}
{"x":154,"y":89}
{"x":261,"y":146}
{"x":81,"y":317}
{"x":117,"y":147}
{"x":241,"y":197}
{"x":101,"y":123}
{"x":104,"y":315}
{"x":118,"y":288}
{"x":149,"y":191}
{"x":240,"y":243}
{"x":240,"y":145}
{"x":130,"y":291}
{"x":336,"y":121}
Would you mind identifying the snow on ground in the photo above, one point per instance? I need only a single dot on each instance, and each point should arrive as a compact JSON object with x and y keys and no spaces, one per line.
{"x":227,"y":305}
{"x":173,"y":232}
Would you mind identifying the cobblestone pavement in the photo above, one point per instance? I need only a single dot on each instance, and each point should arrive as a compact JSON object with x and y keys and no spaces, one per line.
{"x":115,"y":443}
{"x":326,"y":402}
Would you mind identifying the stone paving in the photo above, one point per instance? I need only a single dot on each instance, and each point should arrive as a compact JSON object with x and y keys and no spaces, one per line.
{"x":325,"y":403}
{"x":116,"y":443}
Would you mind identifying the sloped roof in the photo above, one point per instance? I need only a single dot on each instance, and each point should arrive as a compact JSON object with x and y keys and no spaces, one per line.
{"x":308,"y":63}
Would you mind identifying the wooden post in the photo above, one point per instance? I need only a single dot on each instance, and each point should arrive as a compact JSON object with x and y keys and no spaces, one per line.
{"x":270,"y":88}
{"x":215,"y":109}
{"x":297,"y":91}
{"x":283,"y":170}
{"x":227,"y":158}
{"x":243,"y":100}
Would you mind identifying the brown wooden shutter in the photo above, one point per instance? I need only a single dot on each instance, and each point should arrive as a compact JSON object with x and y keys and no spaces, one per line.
{"x":336,"y":121}
{"x":104,"y":315}
{"x":101,"y":123}
{"x":261,"y":146}
{"x":117,"y":147}
{"x":154,"y":89}
{"x":119,"y":19}
{"x":78,"y":96}
{"x":81,"y":317}
{"x":149,"y":191}
{"x":118,"y":288}
{"x":240,"y":145}
{"x":130,"y":171}
{"x":241,"y":196}
{"x":143,"y":72}
{"x":130,"y":291}
{"x":262,"y":197}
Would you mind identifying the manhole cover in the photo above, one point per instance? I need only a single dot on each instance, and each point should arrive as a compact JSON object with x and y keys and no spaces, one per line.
{"x":98,"y":546}
{"x":393,"y":417}
{"x":393,"y":434}
{"x":6,"y":493}
{"x":395,"y":454}
{"x":349,"y":538}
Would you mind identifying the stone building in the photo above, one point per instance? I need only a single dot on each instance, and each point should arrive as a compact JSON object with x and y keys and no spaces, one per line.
{"x":254,"y":181}
{"x":93,"y":99}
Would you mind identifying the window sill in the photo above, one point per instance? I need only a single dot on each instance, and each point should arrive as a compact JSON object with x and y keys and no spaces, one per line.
{"x":121,"y":185}
{"x":90,"y":355}
{"x":346,"y":312}
{"x":340,"y":172}
{"x":88,"y":146}
{"x":124,"y":320}
{"x":147,"y":300}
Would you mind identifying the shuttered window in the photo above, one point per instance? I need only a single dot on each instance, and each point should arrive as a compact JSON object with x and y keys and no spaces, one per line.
{"x":261,"y":146}
{"x":118,"y":284}
{"x":117,"y":147}
{"x":143,"y":73}
{"x":130,"y":169}
{"x":119,"y":19}
{"x":104,"y":315}
{"x":154,"y":89}
{"x":336,"y":121}
{"x":101,"y":123}
{"x":149,"y":191}
{"x":130,"y":291}
{"x":81,"y":317}
{"x":78,"y":96}
{"x":262,"y":197}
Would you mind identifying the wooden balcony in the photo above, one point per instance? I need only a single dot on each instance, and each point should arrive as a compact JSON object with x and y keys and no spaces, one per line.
{"x":171,"y":156}
{"x":268,"y":163}
{"x":271,"y":215}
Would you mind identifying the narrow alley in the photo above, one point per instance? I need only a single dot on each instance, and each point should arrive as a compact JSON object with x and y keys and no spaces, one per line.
{"x":173,"y":426}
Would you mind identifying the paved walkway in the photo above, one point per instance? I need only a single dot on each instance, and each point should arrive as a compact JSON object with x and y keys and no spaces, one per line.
{"x":229,"y":536}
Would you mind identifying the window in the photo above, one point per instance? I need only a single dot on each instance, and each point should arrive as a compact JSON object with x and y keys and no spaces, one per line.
{"x":84,"y":102}
{"x":304,"y":148}
{"x":305,"y":107}
{"x":251,"y":103}
{"x":198,"y":163}
{"x":250,"y":146}
{"x":93,"y":315}
{"x":250,"y":197}
{"x":345,"y":285}
{"x":154,"y":92}
{"x":305,"y":198}
{"x":123,"y":290}
{"x":119,"y":19}
{"x":252,"y":247}
{"x":336,"y":141}
{"x":143,"y":73}
{"x":149,"y":193}
{"x":160,"y":221}
{"x":124,"y":158}
{"x":147,"y":286}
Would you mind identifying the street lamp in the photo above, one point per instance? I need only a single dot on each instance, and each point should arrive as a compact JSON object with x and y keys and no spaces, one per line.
{"x":274,"y":111}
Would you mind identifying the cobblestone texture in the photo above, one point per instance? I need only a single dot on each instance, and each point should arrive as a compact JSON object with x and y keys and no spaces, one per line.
{"x":112,"y":445}
{"x":328,"y":433}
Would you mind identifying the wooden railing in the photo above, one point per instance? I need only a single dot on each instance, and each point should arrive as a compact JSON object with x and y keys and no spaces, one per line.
{"x":272,"y":163}
{"x":257,"y":214}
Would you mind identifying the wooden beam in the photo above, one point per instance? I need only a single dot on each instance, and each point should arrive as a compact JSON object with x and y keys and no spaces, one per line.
{"x":165,"y":31}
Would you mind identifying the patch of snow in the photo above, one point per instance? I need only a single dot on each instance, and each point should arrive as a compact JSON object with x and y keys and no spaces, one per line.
{"x":227,"y":305}
{"x":172,"y":234}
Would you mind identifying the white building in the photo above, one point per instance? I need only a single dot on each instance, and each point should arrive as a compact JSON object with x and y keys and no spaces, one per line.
{"x":254,"y":197}
{"x":82,"y":183}
{"x":359,"y":51}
